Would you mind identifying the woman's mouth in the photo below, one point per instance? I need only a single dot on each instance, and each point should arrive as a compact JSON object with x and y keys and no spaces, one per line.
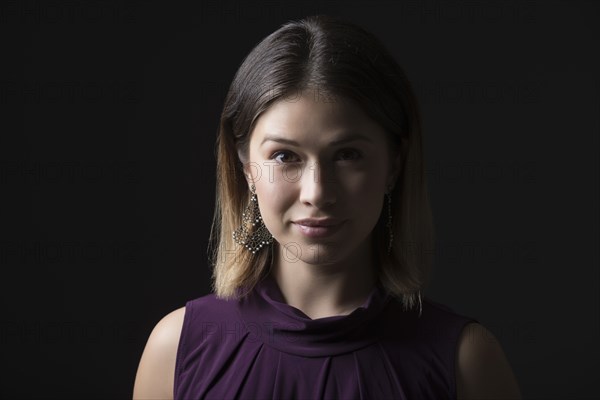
{"x":312,"y":230}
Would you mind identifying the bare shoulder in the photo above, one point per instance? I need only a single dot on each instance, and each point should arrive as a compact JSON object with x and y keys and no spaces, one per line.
{"x":156,"y":371}
{"x":482,"y":369}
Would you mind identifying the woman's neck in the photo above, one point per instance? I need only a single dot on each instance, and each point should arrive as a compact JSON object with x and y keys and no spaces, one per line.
{"x":323,"y":290}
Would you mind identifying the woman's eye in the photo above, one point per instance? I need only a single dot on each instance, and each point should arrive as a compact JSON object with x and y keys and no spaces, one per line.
{"x":283,"y":157}
{"x":349,"y":154}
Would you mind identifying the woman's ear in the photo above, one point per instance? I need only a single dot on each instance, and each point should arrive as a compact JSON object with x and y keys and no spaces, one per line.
{"x":247,"y":171}
{"x":245,"y":165}
{"x":242,"y":158}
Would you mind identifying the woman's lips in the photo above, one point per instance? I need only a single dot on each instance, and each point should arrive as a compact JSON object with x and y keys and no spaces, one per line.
{"x":318,"y":231}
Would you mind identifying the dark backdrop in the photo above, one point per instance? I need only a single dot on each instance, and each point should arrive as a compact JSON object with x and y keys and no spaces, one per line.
{"x":107,"y":164}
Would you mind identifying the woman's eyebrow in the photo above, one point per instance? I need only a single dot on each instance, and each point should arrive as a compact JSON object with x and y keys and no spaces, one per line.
{"x":346,"y":139}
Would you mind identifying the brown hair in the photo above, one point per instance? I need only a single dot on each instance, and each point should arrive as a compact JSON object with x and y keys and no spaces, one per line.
{"x":339,"y":58}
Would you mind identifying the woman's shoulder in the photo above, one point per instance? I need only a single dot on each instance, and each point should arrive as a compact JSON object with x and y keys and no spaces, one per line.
{"x":168,"y":329}
{"x":210,"y":308}
{"x":156,"y":370}
{"x":482,"y":367}
{"x":165,"y":335}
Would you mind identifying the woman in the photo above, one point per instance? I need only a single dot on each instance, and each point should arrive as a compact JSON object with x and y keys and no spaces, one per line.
{"x":321,"y":242}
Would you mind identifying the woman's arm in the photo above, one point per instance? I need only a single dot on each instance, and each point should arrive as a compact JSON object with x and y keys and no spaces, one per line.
{"x":156,"y":371}
{"x":483,"y":372}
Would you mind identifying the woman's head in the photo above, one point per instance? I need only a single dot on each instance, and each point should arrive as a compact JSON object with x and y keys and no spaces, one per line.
{"x":315,"y":81}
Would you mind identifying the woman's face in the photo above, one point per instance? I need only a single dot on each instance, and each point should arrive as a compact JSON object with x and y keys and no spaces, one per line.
{"x":316,"y":158}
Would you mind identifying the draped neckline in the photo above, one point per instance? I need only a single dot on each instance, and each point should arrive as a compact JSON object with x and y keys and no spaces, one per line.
{"x":270,"y":319}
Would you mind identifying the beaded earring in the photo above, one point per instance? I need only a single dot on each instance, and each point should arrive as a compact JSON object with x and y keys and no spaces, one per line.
{"x":253,"y":234}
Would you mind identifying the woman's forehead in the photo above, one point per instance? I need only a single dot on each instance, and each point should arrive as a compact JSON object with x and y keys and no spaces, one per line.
{"x":305,"y":114}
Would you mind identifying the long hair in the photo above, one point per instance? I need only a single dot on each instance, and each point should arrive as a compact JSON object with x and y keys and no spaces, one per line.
{"x":334,"y":57}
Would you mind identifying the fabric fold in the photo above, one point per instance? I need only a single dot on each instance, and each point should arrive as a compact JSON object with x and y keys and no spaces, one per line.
{"x":286,"y":328}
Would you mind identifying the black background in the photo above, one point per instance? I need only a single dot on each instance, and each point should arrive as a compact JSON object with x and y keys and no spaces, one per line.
{"x":106,"y":174}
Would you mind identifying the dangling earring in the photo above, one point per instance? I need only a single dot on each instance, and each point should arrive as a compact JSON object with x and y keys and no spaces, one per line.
{"x":258,"y":235}
{"x":420,"y":305}
{"x":389,"y":222}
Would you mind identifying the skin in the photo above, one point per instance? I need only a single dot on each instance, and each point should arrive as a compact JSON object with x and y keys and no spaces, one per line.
{"x":325,"y":276}
{"x":482,"y":369}
{"x":156,"y":371}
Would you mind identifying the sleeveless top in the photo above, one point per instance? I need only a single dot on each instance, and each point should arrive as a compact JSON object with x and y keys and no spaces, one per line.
{"x":260,"y":347}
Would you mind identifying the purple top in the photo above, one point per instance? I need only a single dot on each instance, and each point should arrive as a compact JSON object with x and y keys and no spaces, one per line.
{"x":262,"y":348}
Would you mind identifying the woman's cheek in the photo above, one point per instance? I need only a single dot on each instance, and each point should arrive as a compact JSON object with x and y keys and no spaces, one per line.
{"x":277,"y":194}
{"x":359,"y":182}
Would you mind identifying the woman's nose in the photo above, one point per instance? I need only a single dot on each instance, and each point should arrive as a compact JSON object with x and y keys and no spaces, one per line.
{"x":318,"y":186}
